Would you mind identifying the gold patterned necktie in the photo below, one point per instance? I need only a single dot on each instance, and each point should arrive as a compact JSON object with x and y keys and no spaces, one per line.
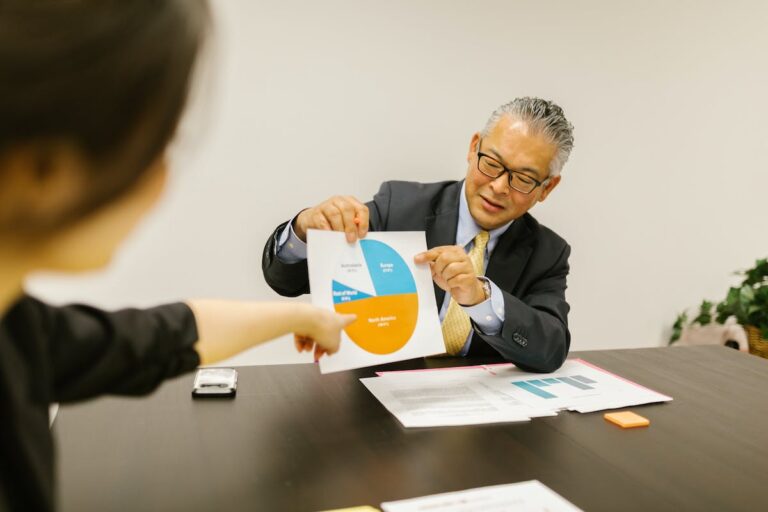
{"x":456,"y":324}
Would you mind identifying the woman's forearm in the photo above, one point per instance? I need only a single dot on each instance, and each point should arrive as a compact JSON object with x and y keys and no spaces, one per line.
{"x":226,"y":328}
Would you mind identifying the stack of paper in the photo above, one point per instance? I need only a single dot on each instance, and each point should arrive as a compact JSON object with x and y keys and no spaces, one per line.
{"x":530,"y":496}
{"x":502,"y":393}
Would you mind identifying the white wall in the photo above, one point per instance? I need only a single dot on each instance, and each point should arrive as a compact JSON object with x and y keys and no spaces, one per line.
{"x":663,"y":198}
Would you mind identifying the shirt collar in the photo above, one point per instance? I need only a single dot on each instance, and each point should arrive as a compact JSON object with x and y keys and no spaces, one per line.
{"x":467,"y":229}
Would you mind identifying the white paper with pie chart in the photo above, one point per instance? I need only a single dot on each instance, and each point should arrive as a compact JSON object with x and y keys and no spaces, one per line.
{"x":376,"y":280}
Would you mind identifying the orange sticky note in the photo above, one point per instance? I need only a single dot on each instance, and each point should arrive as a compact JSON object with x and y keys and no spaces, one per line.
{"x":627,"y":419}
{"x":365,"y":508}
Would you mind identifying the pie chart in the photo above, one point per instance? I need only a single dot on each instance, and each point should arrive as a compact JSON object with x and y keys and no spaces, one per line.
{"x":379,"y":288}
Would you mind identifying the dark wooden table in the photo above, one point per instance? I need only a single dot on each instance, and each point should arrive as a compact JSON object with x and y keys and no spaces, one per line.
{"x":297,"y":440}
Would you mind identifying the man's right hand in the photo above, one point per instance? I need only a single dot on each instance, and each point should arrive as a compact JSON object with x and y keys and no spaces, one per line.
{"x":339,"y":213}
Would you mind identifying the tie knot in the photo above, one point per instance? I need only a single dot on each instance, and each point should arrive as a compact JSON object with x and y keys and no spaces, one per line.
{"x":477,"y":253}
{"x":481,"y":240}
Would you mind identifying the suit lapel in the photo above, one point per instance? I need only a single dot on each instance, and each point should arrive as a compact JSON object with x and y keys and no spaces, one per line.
{"x":511,"y":254}
{"x":441,"y":227}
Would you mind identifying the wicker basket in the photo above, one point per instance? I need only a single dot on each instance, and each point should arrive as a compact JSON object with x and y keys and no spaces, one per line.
{"x":757,"y":345}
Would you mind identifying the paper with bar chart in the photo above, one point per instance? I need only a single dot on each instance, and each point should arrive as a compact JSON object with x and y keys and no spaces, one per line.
{"x":375,"y":278}
{"x":502,"y":393}
{"x":577,"y":386}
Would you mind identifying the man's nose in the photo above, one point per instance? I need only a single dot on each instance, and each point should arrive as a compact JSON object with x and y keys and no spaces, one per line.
{"x":500,"y":185}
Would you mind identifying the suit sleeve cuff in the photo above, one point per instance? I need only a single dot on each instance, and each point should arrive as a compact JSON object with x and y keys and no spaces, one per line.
{"x":290,"y":248}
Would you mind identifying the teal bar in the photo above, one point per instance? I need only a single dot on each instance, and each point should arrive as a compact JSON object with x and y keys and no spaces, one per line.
{"x":527,"y":386}
{"x":551,"y":381}
{"x":539,"y":383}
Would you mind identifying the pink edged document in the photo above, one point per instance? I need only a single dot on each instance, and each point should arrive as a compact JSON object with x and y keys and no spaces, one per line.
{"x":502,"y":393}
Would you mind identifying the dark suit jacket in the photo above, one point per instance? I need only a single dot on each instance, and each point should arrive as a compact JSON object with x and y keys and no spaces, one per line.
{"x":529,"y":264}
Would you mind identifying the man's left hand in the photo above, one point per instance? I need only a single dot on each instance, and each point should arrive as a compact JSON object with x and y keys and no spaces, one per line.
{"x":453,"y":272}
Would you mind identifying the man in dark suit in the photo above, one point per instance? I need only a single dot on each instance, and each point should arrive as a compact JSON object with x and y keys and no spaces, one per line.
{"x":505,"y":273}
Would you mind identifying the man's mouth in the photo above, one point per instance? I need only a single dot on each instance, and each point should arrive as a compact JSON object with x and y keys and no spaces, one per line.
{"x":490,"y":206}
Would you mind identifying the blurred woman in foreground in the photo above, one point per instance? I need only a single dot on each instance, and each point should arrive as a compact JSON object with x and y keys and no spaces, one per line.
{"x":91,"y":93}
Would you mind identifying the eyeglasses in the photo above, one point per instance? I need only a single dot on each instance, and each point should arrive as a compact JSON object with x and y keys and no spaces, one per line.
{"x":489,"y":166}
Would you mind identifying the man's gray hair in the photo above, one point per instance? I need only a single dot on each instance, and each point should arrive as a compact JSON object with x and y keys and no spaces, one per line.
{"x":543,"y":117}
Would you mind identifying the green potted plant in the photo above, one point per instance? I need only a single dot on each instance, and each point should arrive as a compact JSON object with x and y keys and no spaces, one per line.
{"x":747,"y":303}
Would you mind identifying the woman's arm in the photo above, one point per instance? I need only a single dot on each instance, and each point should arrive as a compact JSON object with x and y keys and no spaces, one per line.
{"x":89,"y":352}
{"x":226,"y":328}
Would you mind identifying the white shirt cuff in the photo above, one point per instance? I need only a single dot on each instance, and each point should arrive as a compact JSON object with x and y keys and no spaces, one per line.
{"x":489,"y":314}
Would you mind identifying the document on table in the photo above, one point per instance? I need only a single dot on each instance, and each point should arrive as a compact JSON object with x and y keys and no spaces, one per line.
{"x":376,"y":279}
{"x":502,"y":393}
{"x":448,"y":397}
{"x":530,"y":496}
{"x":577,"y":386}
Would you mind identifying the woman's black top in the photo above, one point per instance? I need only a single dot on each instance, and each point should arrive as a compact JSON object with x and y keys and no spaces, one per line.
{"x":65,"y":354}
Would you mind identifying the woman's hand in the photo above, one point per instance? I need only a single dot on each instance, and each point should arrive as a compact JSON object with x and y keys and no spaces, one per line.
{"x":321,"y":332}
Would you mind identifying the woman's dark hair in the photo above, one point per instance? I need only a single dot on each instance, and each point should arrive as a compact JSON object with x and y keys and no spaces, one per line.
{"x":109,"y":77}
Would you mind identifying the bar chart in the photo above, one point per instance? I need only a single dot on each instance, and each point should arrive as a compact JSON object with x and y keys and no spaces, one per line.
{"x":553,"y":387}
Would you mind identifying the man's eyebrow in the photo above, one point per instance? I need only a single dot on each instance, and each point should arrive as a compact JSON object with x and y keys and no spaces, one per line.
{"x":522,"y":169}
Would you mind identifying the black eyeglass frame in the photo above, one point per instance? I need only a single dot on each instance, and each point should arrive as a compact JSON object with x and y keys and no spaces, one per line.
{"x":509,"y":172}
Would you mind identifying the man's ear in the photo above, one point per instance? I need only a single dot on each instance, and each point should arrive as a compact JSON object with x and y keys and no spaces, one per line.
{"x":474,"y":144}
{"x":39,"y":183}
{"x":549,"y":187}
